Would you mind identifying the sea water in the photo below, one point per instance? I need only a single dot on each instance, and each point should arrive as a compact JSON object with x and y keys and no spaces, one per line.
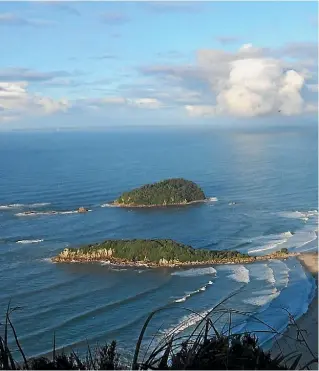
{"x":271,"y":175}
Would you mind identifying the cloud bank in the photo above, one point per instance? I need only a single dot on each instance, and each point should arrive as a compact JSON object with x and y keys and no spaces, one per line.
{"x":16,"y":101}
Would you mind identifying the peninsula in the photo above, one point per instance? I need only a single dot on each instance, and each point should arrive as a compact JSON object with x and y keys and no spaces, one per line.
{"x":157,"y":253}
{"x":167,"y":192}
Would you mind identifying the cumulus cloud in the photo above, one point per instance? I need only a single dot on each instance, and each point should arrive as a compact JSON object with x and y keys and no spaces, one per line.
{"x":16,"y":101}
{"x":259,"y":86}
{"x":249,"y":82}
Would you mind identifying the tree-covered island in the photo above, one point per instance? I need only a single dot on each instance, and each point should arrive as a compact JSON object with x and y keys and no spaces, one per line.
{"x":167,"y":192}
{"x":156,"y":253}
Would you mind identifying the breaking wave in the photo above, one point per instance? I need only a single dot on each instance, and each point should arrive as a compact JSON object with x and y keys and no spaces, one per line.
{"x":273,"y":241}
{"x":35,"y":213}
{"x":186,"y":322}
{"x":29,"y":241}
{"x":263,"y":298}
{"x":188,"y":295}
{"x":47,"y":260}
{"x":240,"y":274}
{"x":281,"y":273}
{"x":269,"y":275}
{"x":262,"y":272}
{"x":20,"y":206}
{"x":299,"y":214}
{"x":193,"y":272}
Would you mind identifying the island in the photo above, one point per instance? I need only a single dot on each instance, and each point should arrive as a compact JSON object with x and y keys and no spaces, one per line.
{"x":157,"y":253}
{"x":176,"y":191}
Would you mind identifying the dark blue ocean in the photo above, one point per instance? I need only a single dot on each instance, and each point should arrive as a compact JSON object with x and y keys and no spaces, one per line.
{"x":270,"y":173}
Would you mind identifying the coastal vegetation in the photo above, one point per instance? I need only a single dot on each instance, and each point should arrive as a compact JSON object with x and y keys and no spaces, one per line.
{"x":206,"y":348}
{"x":157,"y":252}
{"x":175,"y":191}
{"x":150,"y":252}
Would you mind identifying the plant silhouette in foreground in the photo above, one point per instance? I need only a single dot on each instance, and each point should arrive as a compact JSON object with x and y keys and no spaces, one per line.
{"x":205,"y":348}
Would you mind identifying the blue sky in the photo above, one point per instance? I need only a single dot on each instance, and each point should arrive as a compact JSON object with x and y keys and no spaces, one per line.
{"x":103,"y":63}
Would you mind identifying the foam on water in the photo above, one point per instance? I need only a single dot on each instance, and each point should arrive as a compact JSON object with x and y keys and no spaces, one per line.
{"x":108,"y":205}
{"x":47,"y":260}
{"x":294,"y":298}
{"x":185,"y":322}
{"x":49,"y":213}
{"x":29,"y":241}
{"x":287,"y":234}
{"x":10,"y":206}
{"x":299,"y":214}
{"x":19,"y":206}
{"x":119,"y":269}
{"x":280,"y":272}
{"x":195,"y":272}
{"x":181,"y":299}
{"x":190,"y":294}
{"x":270,"y":242}
{"x":240,"y":274}
{"x":262,"y":272}
{"x":262,"y":298}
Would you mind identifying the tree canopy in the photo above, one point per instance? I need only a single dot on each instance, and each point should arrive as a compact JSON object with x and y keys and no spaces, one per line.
{"x":165,"y":192}
{"x":147,"y":250}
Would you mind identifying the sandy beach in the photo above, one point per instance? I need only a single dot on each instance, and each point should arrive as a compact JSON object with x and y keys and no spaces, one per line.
{"x":308,"y":323}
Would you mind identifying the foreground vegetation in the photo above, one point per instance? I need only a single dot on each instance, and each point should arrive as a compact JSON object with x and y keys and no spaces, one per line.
{"x":166,"y":192}
{"x":156,"y":253}
{"x":205,"y":348}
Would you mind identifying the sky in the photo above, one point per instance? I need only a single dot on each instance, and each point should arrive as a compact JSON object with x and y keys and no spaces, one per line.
{"x":87,"y":64}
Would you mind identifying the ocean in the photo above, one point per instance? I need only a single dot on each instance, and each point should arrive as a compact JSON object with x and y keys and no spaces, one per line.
{"x":270,"y":174}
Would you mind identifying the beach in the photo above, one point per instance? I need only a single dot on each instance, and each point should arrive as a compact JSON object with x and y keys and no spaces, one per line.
{"x":308,"y":323}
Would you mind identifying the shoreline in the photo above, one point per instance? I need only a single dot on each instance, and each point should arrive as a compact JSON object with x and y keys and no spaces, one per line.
{"x":141,"y":264}
{"x":116,"y":204}
{"x":307,"y":323}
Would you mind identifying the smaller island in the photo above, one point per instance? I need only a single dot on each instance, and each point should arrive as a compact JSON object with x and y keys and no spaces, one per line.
{"x":157,"y":253}
{"x":176,"y":191}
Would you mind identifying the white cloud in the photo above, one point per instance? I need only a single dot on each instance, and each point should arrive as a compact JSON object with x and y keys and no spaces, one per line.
{"x":16,"y":101}
{"x":250,"y":84}
{"x":113,"y":102}
{"x":200,"y":110}
{"x":149,"y":103}
{"x":251,"y":81}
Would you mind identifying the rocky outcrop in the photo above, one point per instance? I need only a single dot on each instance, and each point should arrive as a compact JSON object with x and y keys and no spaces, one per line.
{"x":102,"y":254}
{"x":82,"y":210}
